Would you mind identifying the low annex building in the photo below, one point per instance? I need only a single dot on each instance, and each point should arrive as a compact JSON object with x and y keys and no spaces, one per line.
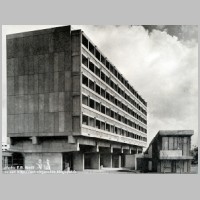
{"x":169,"y":152}
{"x":68,"y":105}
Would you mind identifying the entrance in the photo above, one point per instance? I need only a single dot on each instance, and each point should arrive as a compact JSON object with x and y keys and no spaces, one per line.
{"x":67,"y":161}
{"x":18,"y":161}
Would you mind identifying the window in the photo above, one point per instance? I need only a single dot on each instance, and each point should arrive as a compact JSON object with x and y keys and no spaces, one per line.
{"x":91,"y":85}
{"x":107,"y":80}
{"x":97,"y":106}
{"x":85,"y":100}
{"x":103,"y":109}
{"x":97,"y":124}
{"x":91,"y":122}
{"x":107,"y":64}
{"x":91,"y":48}
{"x":112,"y":114}
{"x":97,"y":71}
{"x":103,"y":92}
{"x":103,"y":125}
{"x":98,"y":89}
{"x":84,"y":41}
{"x":116,"y":130}
{"x":108,"y":127}
{"x":97,"y":54}
{"x":91,"y":67}
{"x":103,"y":77}
{"x":85,"y":120}
{"x":85,"y":80}
{"x":107,"y":96}
{"x":92,"y":102}
{"x":102,"y":59}
{"x":108,"y":111}
{"x":112,"y":129}
{"x":84,"y":60}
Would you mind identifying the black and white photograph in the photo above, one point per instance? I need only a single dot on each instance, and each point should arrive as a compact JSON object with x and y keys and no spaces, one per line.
{"x":106,"y":99}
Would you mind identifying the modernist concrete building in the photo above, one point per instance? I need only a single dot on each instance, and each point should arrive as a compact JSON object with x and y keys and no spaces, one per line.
{"x":68,"y":106}
{"x":168,"y":152}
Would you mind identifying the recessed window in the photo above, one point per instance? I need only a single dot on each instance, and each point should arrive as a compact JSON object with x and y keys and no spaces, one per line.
{"x":92,"y":103}
{"x":97,"y":54}
{"x":97,"y":71}
{"x":84,"y":60}
{"x":103,"y":94}
{"x":91,"y":85}
{"x":91,"y":48}
{"x":97,"y":106}
{"x":103,"y":125}
{"x":107,"y":64}
{"x":85,"y":100}
{"x":91,"y":122}
{"x":107,"y":96}
{"x":108,"y":127}
{"x":97,"y":124}
{"x":91,"y":67}
{"x":103,"y":77}
{"x":102,"y":59}
{"x":85,"y":80}
{"x":98,"y":89}
{"x":85,"y":41}
{"x":85,"y":119}
{"x":103,"y":109}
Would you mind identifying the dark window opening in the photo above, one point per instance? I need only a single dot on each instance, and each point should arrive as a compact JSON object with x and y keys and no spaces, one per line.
{"x":103,"y":109}
{"x":91,"y":85}
{"x":97,"y":71}
{"x":91,"y":67}
{"x":91,"y":122}
{"x":85,"y":60}
{"x":103,"y":94}
{"x":85,"y":80}
{"x":85,"y":100}
{"x":97,"y":54}
{"x":97,"y":124}
{"x":97,"y":106}
{"x":103,"y":77}
{"x":91,"y":48}
{"x":98,"y":89}
{"x":85,"y":120}
{"x":108,"y":111}
{"x":103,"y":59}
{"x":112,"y":114}
{"x":108,"y":127}
{"x":103,"y":125}
{"x":107,"y":64}
{"x":85,"y":41}
{"x":107,"y":96}
{"x":107,"y":80}
{"x":92,"y":102}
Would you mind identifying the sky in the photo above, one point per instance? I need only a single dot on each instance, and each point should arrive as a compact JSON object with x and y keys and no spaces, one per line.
{"x":160,"y":62}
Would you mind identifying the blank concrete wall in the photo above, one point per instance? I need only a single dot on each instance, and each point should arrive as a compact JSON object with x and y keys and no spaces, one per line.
{"x":39,"y":83}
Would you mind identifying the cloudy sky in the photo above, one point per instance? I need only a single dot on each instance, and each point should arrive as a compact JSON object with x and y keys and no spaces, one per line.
{"x":161,"y":62}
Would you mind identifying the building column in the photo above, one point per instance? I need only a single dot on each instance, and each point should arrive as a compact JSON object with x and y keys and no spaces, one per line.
{"x":95,"y":160}
{"x":106,"y":160}
{"x":78,"y":161}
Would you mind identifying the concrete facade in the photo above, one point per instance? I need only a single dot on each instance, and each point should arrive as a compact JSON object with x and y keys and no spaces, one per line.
{"x":68,"y":105}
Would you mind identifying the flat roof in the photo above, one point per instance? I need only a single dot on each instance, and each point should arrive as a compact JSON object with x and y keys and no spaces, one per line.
{"x":176,"y":132}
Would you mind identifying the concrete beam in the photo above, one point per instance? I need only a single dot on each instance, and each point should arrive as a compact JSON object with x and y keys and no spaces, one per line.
{"x":71,"y":139}
{"x":35,"y":140}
